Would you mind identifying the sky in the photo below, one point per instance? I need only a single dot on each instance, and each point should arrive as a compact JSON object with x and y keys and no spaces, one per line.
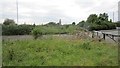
{"x":44,"y":11}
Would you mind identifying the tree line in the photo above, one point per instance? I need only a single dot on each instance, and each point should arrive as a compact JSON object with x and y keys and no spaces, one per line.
{"x":93,"y":22}
{"x":98,"y":22}
{"x":9,"y":27}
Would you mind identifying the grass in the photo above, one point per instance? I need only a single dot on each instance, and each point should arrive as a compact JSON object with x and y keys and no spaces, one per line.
{"x":59,"y":52}
{"x":71,"y":29}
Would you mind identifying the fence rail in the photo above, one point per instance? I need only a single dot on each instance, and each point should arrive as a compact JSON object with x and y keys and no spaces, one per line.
{"x":109,"y":33}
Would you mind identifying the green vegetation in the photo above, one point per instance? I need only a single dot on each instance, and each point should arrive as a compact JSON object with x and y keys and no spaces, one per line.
{"x":16,"y":29}
{"x":117,"y":24}
{"x":81,"y":24}
{"x":51,"y":29}
{"x":36,"y":30}
{"x":59,"y":51}
{"x":73,"y":23}
{"x":47,"y":50}
{"x":9,"y":22}
{"x":95,"y":22}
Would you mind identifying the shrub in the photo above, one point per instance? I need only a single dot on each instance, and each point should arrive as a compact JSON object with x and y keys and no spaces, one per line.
{"x":93,"y":27}
{"x":16,"y":29}
{"x":36,"y":33}
{"x":104,"y":26}
{"x":117,"y":24}
{"x":111,"y":26}
{"x":9,"y":22}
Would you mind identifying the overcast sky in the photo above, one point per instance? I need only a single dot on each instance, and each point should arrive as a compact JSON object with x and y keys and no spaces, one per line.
{"x":44,"y":11}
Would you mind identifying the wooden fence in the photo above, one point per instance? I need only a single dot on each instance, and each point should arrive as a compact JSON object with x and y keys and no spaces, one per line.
{"x":111,"y":34}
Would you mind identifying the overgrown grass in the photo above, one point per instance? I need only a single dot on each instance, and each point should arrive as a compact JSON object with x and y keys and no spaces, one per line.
{"x":63,"y":29}
{"x":59,"y":52}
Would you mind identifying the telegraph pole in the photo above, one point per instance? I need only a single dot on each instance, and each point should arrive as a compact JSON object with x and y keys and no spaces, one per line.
{"x":119,"y":11}
{"x":113,"y":16}
{"x":17,"y":9}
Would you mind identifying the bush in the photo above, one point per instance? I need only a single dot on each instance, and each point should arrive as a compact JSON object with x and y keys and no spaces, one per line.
{"x":44,"y":30}
{"x":36,"y":33}
{"x":81,"y":24}
{"x":104,"y":26}
{"x":9,"y":22}
{"x":111,"y":26}
{"x":117,"y":24}
{"x":93,"y":27}
{"x":16,"y":29}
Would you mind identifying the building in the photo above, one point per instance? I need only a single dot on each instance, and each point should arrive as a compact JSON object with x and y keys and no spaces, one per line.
{"x":119,"y":11}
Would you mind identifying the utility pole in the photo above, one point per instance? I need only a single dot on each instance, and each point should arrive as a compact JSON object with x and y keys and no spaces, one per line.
{"x":119,"y":11}
{"x":113,"y":16}
{"x":17,"y":9}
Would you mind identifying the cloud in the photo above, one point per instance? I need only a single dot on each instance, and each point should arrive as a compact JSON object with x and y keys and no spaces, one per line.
{"x":43,"y":11}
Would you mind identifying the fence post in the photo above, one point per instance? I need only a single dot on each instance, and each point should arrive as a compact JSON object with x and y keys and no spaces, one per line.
{"x":103,"y":36}
{"x":97,"y":34}
{"x":92,"y":34}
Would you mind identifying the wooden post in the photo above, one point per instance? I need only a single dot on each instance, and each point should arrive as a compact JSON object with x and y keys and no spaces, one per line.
{"x":113,"y":37}
{"x":92,"y":34}
{"x":103,"y":36}
{"x":97,"y":34}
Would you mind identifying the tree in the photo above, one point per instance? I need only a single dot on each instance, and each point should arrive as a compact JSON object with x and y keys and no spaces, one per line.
{"x":51,"y":23}
{"x":103,"y":17}
{"x":92,"y":18}
{"x":34,"y":25}
{"x":81,"y":24}
{"x":100,"y":22}
{"x":9,"y":22}
{"x":110,"y":20}
{"x":73,"y":23}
